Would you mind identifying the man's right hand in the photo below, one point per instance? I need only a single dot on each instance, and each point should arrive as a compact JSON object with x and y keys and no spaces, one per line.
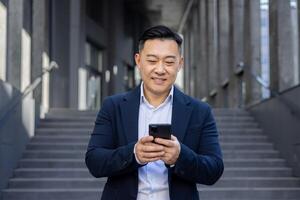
{"x":148,"y":151}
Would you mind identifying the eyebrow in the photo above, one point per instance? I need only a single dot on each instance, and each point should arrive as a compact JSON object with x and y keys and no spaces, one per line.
{"x":152,"y":55}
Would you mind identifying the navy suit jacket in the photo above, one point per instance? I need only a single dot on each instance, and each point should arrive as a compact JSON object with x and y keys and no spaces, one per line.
{"x":110,"y":149}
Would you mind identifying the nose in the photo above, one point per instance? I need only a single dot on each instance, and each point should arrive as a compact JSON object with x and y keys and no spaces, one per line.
{"x":160,"y":68}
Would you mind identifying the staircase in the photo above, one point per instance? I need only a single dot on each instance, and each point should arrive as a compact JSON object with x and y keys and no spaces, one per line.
{"x":53,"y":165}
{"x":253,"y":168}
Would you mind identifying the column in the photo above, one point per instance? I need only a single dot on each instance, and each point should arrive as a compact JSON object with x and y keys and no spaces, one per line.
{"x":281,"y":60}
{"x":14,"y":42}
{"x":252,"y":50}
{"x":40,"y":54}
{"x":235,"y":50}
{"x":77,"y":51}
{"x":203,"y":66}
{"x":212,"y":49}
{"x":223,"y":53}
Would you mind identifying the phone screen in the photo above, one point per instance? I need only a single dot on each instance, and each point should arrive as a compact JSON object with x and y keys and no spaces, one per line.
{"x":160,"y":130}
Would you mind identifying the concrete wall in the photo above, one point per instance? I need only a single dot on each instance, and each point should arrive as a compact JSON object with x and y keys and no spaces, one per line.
{"x":16,"y":128}
{"x":282,"y":123}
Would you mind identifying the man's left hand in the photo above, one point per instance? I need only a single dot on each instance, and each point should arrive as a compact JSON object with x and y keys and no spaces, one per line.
{"x":171,"y":149}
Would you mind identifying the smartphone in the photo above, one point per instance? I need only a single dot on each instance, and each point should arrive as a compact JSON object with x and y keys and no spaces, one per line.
{"x":160,"y":130}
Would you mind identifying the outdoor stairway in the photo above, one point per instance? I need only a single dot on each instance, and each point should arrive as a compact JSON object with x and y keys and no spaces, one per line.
{"x":52,"y":167}
{"x":254,"y":170}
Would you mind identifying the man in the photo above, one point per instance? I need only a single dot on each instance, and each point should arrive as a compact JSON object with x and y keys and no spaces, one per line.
{"x":137,"y":165}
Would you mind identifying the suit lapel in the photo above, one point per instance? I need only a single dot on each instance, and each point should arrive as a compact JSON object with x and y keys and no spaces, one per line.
{"x":180,"y":115}
{"x":130,"y":114}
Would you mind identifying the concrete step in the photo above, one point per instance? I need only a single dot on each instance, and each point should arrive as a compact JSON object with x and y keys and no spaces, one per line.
{"x":52,"y":173}
{"x":246,"y":146}
{"x":85,"y":138}
{"x":244,"y":138}
{"x":54,"y":154}
{"x":257,"y":172}
{"x":59,"y":183}
{"x":250,"y":154}
{"x":73,"y":154}
{"x":51,"y":163}
{"x":60,"y":138}
{"x":205,"y":193}
{"x":238,"y":131}
{"x":63,"y":130}
{"x":232,"y":119}
{"x":246,"y":162}
{"x":83,"y":146}
{"x":52,"y":194}
{"x":257,"y":193}
{"x":66,"y":125}
{"x":56,"y":146}
{"x":241,"y":125}
{"x":246,"y":182}
{"x":80,"y":163}
{"x":70,"y":119}
{"x":83,"y":172}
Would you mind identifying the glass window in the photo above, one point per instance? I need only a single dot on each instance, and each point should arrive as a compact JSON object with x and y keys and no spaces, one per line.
{"x":91,"y":78}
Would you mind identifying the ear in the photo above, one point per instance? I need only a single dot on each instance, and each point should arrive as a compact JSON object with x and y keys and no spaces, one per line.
{"x":181,"y":62}
{"x":137,"y":59}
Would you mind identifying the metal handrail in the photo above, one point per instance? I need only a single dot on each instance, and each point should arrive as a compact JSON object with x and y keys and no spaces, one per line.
{"x":30,"y":88}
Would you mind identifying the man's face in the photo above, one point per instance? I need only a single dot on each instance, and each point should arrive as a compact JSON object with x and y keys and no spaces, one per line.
{"x":159,"y":62}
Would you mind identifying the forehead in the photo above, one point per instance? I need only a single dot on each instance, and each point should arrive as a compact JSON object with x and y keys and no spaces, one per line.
{"x":161,"y":47}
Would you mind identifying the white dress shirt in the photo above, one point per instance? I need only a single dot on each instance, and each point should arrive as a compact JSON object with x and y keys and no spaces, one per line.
{"x":153,"y":177}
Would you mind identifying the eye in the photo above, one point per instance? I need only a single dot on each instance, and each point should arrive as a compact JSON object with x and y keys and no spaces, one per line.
{"x":152,"y":61}
{"x":170,"y":63}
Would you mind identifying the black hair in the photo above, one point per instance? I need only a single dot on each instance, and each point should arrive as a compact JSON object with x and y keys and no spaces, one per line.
{"x":159,"y":32}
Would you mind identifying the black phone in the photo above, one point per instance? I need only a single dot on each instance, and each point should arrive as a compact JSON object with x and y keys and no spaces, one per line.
{"x":160,"y":130}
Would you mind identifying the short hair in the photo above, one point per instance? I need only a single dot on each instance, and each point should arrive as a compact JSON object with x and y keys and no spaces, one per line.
{"x":159,"y":32}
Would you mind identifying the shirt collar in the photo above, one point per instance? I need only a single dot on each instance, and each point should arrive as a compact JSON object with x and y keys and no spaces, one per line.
{"x":168,"y":99}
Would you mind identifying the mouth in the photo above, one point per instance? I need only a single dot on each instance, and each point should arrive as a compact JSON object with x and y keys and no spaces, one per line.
{"x":158,"y":81}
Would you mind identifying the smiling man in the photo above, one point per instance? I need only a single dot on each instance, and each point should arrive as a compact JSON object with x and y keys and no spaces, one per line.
{"x":137,"y":165}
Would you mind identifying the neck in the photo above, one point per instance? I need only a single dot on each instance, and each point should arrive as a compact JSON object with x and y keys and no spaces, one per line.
{"x":155,"y":99}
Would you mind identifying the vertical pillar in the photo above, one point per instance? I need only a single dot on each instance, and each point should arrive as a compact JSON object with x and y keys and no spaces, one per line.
{"x":203,"y":71}
{"x":14,"y":42}
{"x":187,"y":63}
{"x":281,"y":60}
{"x":235,"y":50}
{"x":38,"y":42}
{"x":76,"y":59}
{"x":60,"y":52}
{"x":196,"y":74}
{"x":223,"y":53}
{"x":212,"y":48}
{"x":252,"y":49}
{"x":3,"y":36}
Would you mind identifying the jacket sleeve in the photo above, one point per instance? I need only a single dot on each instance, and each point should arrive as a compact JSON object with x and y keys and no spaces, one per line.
{"x":103,"y":158}
{"x":206,"y":165}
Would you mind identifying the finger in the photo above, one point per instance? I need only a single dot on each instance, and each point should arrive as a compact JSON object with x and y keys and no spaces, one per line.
{"x":146,"y":139}
{"x":153,"y":155}
{"x":165,"y":142}
{"x":148,"y":148}
{"x":151,"y":159}
{"x":173,"y":138}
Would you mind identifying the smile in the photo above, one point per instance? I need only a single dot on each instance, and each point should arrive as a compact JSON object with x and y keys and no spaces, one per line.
{"x":159,"y":80}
